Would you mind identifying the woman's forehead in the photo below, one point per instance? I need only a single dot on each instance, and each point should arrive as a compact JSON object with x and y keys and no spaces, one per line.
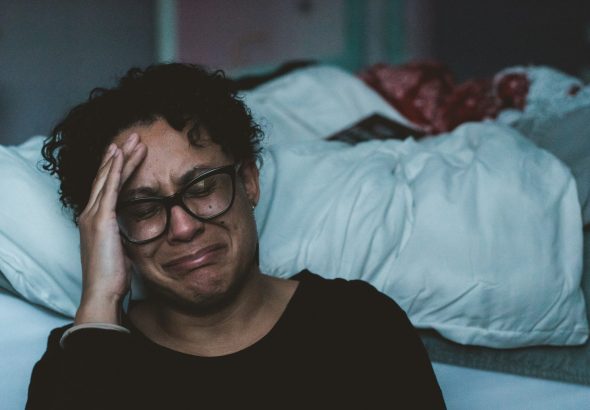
{"x":170,"y":155}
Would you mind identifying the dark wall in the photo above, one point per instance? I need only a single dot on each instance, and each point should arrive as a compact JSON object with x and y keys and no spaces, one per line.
{"x":479,"y":37}
{"x":53,"y":52}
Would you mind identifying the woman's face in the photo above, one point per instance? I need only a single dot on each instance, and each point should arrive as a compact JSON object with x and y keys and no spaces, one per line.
{"x":194,"y":264}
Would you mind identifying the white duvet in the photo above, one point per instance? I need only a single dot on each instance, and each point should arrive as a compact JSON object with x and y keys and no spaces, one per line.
{"x":476,"y":233}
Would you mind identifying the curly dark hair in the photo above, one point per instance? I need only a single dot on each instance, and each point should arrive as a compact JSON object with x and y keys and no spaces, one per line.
{"x":184,"y":95}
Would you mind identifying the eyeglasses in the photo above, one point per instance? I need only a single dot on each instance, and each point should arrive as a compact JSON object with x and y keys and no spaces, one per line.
{"x":206,"y":197}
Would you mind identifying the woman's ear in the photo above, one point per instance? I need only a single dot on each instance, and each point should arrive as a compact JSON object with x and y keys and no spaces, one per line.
{"x":249,"y":174}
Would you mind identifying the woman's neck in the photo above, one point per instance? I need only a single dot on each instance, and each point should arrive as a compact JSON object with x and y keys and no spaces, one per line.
{"x":251,"y":314}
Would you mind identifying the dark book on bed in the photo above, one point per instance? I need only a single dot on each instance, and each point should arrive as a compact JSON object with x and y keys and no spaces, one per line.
{"x":375,"y":126}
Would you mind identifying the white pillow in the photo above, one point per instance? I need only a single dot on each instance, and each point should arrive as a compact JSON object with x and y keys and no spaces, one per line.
{"x":39,"y":243}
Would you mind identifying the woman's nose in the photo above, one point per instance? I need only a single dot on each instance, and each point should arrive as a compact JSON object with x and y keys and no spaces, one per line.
{"x":183,"y":227}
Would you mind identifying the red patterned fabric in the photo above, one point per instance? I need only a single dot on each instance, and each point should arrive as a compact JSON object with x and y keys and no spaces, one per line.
{"x":426,"y":94}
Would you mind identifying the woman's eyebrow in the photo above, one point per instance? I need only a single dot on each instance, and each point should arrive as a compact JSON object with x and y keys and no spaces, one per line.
{"x":146,"y":191}
{"x":139,"y":192}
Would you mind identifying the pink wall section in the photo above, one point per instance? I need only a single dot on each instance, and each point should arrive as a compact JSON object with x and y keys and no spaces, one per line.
{"x":234,"y":34}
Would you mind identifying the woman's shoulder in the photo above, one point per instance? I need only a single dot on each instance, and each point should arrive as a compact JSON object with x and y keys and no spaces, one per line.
{"x":356,"y":298}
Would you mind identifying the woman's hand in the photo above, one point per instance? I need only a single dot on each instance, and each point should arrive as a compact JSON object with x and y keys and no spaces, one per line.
{"x":105,"y":268}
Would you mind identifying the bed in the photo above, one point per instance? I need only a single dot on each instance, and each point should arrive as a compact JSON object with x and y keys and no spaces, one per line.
{"x":505,"y":331}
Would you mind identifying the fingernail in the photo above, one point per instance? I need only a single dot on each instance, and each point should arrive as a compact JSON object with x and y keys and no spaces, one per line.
{"x":111,"y":149}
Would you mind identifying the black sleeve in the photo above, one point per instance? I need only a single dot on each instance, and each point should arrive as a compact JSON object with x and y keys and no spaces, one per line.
{"x":401,"y":367}
{"x":87,"y":374}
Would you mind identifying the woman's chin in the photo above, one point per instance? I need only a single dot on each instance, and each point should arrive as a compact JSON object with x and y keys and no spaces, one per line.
{"x":202,"y":290}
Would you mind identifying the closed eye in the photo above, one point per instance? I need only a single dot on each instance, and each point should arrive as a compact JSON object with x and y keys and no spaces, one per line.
{"x":143,"y":211}
{"x":201,"y":188}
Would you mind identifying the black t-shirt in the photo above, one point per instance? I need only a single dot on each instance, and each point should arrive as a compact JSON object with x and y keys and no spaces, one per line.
{"x":338,"y":344}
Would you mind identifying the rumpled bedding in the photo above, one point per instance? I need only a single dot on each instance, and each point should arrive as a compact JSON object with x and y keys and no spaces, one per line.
{"x":549,"y":107}
{"x":556,"y":117}
{"x":475,"y":233}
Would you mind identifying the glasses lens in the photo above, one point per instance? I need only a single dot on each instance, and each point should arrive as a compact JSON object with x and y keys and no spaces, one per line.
{"x":142,"y":220}
{"x":205,"y":198}
{"x":210,"y":196}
